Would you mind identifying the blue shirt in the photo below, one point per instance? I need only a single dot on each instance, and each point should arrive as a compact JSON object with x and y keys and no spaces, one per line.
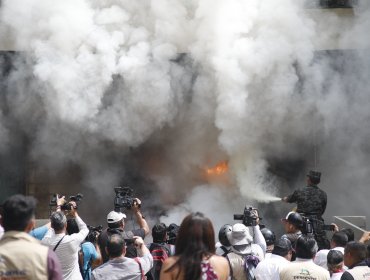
{"x":39,"y":232}
{"x":89,"y":253}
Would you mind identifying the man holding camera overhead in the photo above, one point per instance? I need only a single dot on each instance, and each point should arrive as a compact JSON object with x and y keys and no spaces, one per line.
{"x":116,"y":225}
{"x":66,"y":246}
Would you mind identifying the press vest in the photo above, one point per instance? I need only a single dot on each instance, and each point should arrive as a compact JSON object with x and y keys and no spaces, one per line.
{"x":22,"y":257}
{"x":360,"y":272}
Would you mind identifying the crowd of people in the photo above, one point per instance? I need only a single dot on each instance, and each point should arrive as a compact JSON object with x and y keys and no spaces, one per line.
{"x":66,"y":248}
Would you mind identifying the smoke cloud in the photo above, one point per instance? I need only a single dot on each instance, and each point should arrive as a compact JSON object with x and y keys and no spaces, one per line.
{"x":151,"y":93}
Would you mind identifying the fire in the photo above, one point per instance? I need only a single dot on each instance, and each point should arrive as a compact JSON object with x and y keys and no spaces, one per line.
{"x":219,"y":169}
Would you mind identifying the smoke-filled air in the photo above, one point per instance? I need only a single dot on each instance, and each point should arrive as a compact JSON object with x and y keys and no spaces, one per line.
{"x":201,"y":105}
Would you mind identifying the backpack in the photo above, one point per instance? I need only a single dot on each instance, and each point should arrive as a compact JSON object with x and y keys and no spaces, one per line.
{"x":160,"y":253}
{"x":250,"y":263}
{"x":84,"y":272}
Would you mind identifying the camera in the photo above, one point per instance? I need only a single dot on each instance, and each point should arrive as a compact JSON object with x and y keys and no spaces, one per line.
{"x":67,"y":205}
{"x":94,"y":233}
{"x":124,"y":198}
{"x":249,"y":216}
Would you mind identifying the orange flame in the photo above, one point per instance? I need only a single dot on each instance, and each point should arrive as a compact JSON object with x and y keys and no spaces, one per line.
{"x":219,"y":169}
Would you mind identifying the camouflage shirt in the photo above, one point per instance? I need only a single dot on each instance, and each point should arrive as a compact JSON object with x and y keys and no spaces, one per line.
{"x":310,"y":200}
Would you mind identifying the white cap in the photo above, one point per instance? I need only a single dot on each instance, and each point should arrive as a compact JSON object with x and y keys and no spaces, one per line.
{"x":241,"y":239}
{"x":114,"y":217}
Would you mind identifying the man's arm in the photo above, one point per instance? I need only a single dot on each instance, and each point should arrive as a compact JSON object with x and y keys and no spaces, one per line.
{"x":146,"y":258}
{"x":290,"y":198}
{"x":84,"y":231}
{"x":139,"y":217}
{"x":259,"y":239}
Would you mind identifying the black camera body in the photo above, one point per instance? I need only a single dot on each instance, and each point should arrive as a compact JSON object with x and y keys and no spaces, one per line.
{"x":124,"y":198}
{"x":67,"y":205}
{"x":94,"y":233}
{"x":249,"y":216}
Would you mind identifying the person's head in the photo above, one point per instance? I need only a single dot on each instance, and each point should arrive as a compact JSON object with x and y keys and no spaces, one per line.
{"x":72,"y":226}
{"x":116,"y":246}
{"x":339,"y":239}
{"x":224,"y":235}
{"x":293,"y":222}
{"x":283,"y":248}
{"x":172,"y":232}
{"x":350,"y":234}
{"x":241,"y":239}
{"x":195,"y":240}
{"x":334,"y":261}
{"x":58,"y":221}
{"x":313,"y":177}
{"x":195,"y":233}
{"x":354,"y":253}
{"x":116,"y":220}
{"x":159,"y":233}
{"x":269,"y":236}
{"x":306,"y":247}
{"x":19,"y":213}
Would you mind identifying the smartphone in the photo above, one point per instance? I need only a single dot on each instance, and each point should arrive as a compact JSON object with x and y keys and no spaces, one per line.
{"x":329,"y":227}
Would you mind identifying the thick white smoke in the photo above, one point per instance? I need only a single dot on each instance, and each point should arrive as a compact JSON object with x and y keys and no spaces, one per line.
{"x":163,"y":89}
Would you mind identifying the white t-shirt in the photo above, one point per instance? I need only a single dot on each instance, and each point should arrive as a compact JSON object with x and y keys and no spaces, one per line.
{"x":269,"y":268}
{"x":321,"y":256}
{"x":67,"y":250}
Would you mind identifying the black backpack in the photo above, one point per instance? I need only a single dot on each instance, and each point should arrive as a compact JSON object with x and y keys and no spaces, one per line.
{"x":160,"y":253}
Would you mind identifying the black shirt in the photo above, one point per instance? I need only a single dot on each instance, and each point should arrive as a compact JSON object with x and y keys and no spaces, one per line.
{"x":310,"y":200}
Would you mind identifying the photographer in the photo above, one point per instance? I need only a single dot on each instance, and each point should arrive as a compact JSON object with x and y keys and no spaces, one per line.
{"x":89,"y":255}
{"x":66,"y":246}
{"x":116,"y":224}
{"x":121,"y":267}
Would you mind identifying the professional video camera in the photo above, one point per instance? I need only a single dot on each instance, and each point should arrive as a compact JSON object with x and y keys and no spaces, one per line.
{"x":94,"y":233}
{"x":249,"y":217}
{"x":67,"y":205}
{"x":124,"y":198}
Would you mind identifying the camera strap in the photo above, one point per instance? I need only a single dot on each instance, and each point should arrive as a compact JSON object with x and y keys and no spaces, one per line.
{"x":141,"y":269}
{"x":56,"y":246}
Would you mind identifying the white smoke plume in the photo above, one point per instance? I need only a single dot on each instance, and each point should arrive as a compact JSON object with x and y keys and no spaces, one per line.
{"x":162,"y":89}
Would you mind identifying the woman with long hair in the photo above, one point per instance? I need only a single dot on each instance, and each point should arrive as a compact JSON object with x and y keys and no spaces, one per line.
{"x":195,"y":257}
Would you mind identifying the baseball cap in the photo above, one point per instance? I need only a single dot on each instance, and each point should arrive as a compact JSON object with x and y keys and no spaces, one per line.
{"x":294,"y":218}
{"x":114,"y":217}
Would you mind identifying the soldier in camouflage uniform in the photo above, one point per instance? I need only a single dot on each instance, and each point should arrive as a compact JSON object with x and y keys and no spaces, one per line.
{"x":311,"y":204}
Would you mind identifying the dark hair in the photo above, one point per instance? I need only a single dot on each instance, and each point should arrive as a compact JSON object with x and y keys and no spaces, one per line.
{"x":282,"y":247}
{"x":195,"y":240}
{"x":159,"y":232}
{"x":306,"y":247}
{"x":72,"y":226}
{"x":350,"y":233}
{"x":115,"y":245}
{"x":334,"y":258}
{"x":357,"y":251}
{"x":115,"y":225}
{"x":58,"y":220}
{"x":340,"y":238}
{"x":18,"y":210}
{"x":334,"y":261}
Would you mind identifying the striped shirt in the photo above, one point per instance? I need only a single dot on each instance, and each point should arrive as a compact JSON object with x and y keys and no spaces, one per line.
{"x":67,"y":250}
